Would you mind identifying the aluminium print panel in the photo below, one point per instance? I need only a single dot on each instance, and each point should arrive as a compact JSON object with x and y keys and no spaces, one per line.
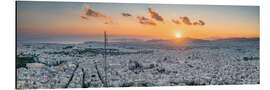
{"x":90,"y":45}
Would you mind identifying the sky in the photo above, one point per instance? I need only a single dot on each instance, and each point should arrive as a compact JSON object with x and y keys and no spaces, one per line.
{"x":88,"y":21}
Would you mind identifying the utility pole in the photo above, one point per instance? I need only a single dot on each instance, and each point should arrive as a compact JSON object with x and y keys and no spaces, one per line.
{"x":105,"y":58}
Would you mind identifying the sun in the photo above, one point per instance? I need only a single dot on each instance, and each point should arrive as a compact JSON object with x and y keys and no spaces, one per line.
{"x":178,"y":35}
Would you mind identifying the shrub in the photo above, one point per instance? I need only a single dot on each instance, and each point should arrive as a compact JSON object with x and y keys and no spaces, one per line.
{"x":127,"y":84}
{"x":21,"y":61}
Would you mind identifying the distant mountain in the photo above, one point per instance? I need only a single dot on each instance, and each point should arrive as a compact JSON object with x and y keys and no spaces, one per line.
{"x":192,"y":40}
{"x":128,"y":40}
{"x":238,"y":39}
{"x":90,"y":42}
{"x":178,"y":40}
{"x":156,"y":41}
{"x":161,"y":43}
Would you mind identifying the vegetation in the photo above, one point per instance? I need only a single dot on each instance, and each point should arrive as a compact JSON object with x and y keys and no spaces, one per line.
{"x":68,"y":47}
{"x":84,"y":85}
{"x":61,"y":52}
{"x":127,"y":84}
{"x":21,"y":61}
{"x":250,"y":58}
{"x":96,"y":51}
{"x":134,"y":65}
{"x":193,"y":83}
{"x":146,"y":84}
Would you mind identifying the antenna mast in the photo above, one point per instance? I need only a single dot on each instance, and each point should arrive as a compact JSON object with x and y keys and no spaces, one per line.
{"x":105,"y":58}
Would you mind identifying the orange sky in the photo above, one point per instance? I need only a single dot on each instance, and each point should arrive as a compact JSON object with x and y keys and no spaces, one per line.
{"x":63,"y":18}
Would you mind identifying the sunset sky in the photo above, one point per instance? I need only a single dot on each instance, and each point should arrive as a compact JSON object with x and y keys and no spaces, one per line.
{"x":68,"y":20}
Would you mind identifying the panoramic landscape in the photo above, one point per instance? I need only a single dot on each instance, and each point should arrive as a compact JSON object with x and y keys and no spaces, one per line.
{"x":93,"y":45}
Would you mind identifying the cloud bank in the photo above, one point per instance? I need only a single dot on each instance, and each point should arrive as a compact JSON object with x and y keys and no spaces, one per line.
{"x":176,"y":21}
{"x":126,"y":14}
{"x":155,"y":15}
{"x":188,"y":22}
{"x":185,"y":20}
{"x":90,"y":13}
{"x":202,"y":22}
{"x":146,"y":21}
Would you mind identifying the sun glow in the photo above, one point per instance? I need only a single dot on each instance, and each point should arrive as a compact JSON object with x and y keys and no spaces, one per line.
{"x":178,"y":35}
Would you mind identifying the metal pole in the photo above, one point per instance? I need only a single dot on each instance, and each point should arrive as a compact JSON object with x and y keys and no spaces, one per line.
{"x":105,"y":58}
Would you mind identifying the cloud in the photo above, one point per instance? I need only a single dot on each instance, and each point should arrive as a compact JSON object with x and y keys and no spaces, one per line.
{"x":126,"y":14}
{"x":176,"y":21}
{"x":89,"y":12}
{"x":92,"y":13}
{"x":196,"y":23}
{"x":84,"y":17}
{"x":155,"y":15}
{"x":185,"y":20}
{"x":202,"y":22}
{"x":146,"y":21}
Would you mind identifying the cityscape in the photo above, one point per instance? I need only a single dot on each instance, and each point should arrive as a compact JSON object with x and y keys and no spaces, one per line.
{"x":94,"y":45}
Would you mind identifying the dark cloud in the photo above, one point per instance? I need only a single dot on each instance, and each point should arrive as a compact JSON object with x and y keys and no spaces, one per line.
{"x":176,"y":21}
{"x":196,"y":23}
{"x":126,"y":14}
{"x":144,"y":20}
{"x":154,"y":14}
{"x":202,"y":22}
{"x":92,"y":13}
{"x":89,"y":12}
{"x":186,"y":20}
